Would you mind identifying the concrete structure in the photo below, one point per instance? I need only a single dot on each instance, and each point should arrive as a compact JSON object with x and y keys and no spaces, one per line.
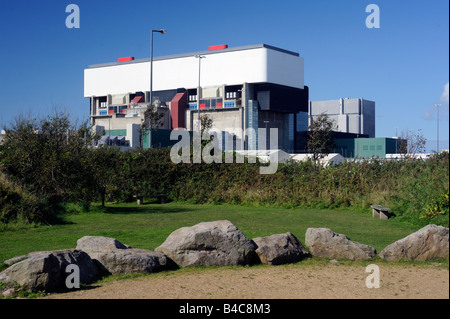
{"x":250,"y":87}
{"x":265,"y":156}
{"x":368,"y":147}
{"x":355,"y":116}
{"x":330,"y":159}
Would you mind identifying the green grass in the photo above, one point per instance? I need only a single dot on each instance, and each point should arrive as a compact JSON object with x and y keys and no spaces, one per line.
{"x":147,"y":226}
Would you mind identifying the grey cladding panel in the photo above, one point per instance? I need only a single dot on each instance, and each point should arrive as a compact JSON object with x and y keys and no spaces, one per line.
{"x":328,"y":107}
{"x":351,"y":106}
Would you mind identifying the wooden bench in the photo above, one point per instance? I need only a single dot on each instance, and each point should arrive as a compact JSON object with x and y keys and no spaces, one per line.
{"x":380,"y":211}
{"x":161,"y":198}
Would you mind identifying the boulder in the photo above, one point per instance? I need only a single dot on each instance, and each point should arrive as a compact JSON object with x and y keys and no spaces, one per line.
{"x":127,"y":261}
{"x":427,"y":243}
{"x":323,"y":242}
{"x":280,"y":249}
{"x":95,"y":243}
{"x":216,"y":243}
{"x":113,"y":257}
{"x":46,"y":270}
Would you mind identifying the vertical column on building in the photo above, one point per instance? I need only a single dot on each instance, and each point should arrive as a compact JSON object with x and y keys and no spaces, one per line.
{"x":252,"y":123}
{"x":93,"y":110}
{"x":342,"y":117}
{"x":361,"y":117}
{"x":127,"y":99}
{"x":288,"y":141}
{"x":309,"y":113}
{"x":244,"y":99}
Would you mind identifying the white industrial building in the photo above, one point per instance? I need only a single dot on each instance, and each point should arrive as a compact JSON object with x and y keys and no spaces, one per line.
{"x":256,"y":86}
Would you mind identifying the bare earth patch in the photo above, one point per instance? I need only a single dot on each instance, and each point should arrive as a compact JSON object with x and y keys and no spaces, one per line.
{"x":295,"y":281}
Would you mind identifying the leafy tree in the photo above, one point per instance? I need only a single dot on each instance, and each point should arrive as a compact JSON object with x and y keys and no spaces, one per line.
{"x":320,"y":142}
{"x":151,"y":122}
{"x":206,"y":123}
{"x":102,"y":164}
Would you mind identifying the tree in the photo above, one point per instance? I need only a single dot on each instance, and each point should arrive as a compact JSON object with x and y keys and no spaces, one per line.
{"x":102,"y":164}
{"x":320,"y":141}
{"x":412,"y":143}
{"x":206,"y":123}
{"x":152,"y":121}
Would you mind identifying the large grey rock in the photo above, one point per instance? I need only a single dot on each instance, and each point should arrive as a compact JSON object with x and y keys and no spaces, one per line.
{"x":427,"y":243}
{"x":114,"y":257}
{"x":46,"y":270}
{"x":95,"y":243}
{"x":280,"y":249}
{"x":127,"y":261}
{"x":323,"y":242}
{"x":217,"y":243}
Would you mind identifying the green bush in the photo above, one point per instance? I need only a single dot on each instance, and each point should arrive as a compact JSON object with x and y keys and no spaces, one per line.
{"x":17,"y":205}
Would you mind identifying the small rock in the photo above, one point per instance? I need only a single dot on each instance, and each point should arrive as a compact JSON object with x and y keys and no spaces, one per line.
{"x":323,"y":242}
{"x":280,"y":249}
{"x":96,"y":243}
{"x":9,"y":293}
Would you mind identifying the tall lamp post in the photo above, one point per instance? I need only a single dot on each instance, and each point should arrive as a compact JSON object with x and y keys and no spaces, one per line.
{"x":437,"y":105}
{"x":162,"y":31}
{"x":199,"y":57}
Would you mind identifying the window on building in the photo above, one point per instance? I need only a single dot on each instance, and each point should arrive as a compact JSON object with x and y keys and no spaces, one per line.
{"x":102,"y":101}
{"x":233,"y":92}
{"x":192,"y":95}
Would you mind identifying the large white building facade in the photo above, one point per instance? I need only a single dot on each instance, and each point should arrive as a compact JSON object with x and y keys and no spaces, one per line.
{"x":256,"y":86}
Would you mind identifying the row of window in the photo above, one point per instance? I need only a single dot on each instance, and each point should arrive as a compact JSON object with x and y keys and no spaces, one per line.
{"x":372,"y":147}
{"x":212,"y":104}
{"x":121,"y":109}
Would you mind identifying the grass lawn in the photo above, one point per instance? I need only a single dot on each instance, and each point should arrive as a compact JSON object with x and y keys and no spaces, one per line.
{"x":147,"y":226}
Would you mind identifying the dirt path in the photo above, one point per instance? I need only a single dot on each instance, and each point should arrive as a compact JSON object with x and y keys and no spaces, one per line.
{"x":281,"y":282}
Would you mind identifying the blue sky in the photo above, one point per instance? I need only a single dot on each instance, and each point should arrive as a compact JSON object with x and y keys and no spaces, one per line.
{"x":403,"y":66}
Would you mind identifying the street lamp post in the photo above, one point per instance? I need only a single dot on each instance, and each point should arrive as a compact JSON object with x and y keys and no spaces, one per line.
{"x":199,"y":57}
{"x":437,"y":105}
{"x":162,"y":31}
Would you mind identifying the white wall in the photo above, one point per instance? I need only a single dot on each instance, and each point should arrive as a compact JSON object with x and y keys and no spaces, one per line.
{"x":229,"y":67}
{"x":285,"y":69}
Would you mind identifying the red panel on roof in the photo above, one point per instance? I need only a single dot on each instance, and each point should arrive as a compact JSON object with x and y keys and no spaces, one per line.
{"x":128,"y":58}
{"x":138,"y":99}
{"x":218,"y":47}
